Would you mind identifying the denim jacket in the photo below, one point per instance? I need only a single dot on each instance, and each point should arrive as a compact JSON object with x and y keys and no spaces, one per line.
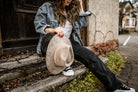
{"x":45,"y":18}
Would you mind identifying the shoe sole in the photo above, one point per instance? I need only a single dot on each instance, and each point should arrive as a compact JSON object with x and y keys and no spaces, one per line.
{"x":131,"y":90}
{"x":67,"y":74}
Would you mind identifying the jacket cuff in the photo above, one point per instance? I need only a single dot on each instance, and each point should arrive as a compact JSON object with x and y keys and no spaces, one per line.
{"x":87,"y":13}
{"x":43,"y":29}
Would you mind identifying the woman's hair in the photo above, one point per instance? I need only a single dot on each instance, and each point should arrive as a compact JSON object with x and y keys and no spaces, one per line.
{"x":72,"y":11}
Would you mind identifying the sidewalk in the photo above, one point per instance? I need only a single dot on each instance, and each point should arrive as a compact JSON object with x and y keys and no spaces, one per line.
{"x":129,"y":74}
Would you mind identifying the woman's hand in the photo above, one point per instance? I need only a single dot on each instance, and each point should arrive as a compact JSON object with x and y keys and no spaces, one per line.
{"x":57,"y":30}
{"x":81,"y":8}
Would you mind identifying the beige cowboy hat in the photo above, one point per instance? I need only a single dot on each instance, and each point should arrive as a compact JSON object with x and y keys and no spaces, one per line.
{"x":59,"y":54}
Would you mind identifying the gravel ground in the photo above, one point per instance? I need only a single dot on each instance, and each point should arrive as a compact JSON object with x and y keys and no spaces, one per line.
{"x":129,"y":74}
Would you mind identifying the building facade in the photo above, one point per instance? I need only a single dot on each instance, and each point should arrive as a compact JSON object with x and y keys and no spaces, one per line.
{"x":18,"y":33}
{"x":127,"y":12}
{"x":103,"y":25}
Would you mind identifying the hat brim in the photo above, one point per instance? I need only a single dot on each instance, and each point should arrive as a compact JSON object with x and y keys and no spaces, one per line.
{"x":54,"y":69}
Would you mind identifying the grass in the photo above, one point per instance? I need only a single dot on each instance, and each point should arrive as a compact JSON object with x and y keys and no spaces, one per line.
{"x":115,"y":62}
{"x":88,"y":82}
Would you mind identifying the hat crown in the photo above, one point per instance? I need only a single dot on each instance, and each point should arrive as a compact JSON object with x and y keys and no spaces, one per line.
{"x":63,"y":55}
{"x":59,"y":54}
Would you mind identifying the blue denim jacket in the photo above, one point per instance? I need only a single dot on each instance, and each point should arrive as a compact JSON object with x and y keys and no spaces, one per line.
{"x":45,"y":18}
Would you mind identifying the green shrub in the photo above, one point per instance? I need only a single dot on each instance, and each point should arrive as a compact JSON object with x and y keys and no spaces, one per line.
{"x":115,"y":62}
{"x":124,"y":31}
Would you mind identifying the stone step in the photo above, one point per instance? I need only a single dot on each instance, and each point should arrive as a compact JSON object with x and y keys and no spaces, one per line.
{"x":34,"y":59}
{"x":52,"y":81}
{"x":22,"y":65}
{"x":16,"y":63}
{"x":16,"y":49}
{"x":23,"y":71}
{"x":25,"y":60}
{"x":31,"y":64}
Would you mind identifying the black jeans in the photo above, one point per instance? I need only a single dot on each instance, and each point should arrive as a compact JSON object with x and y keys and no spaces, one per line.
{"x":94,"y":64}
{"x":91,"y":61}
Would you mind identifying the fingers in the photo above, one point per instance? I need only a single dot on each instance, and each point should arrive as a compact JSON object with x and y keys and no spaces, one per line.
{"x":59,"y":31}
{"x":61,"y":34}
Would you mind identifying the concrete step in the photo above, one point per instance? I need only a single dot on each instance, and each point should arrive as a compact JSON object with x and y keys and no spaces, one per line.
{"x":51,"y":81}
{"x":31,"y":64}
{"x":19,"y":66}
{"x":13,"y":68}
{"x":16,"y":62}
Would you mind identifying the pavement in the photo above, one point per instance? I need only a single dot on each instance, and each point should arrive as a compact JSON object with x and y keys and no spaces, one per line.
{"x":129,"y":74}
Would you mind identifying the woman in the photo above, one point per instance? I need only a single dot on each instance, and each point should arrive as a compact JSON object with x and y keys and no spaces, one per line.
{"x":67,"y":17}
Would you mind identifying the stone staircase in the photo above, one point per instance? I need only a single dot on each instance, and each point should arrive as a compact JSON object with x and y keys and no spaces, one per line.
{"x":28,"y":73}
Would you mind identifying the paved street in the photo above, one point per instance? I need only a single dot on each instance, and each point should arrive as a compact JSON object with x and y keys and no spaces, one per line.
{"x":128,"y":46}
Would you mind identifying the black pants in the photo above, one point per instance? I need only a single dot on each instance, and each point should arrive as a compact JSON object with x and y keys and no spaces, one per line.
{"x":94,"y":64}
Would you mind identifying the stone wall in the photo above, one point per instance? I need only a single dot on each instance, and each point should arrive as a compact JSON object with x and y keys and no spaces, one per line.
{"x":103,"y":24}
{"x":102,"y":31}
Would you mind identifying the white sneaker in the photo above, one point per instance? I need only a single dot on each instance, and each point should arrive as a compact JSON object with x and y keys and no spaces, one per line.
{"x":68,"y":71}
{"x":131,"y":90}
{"x":124,"y":88}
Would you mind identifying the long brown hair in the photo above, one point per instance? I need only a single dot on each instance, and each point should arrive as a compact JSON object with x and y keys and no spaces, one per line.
{"x":72,"y":11}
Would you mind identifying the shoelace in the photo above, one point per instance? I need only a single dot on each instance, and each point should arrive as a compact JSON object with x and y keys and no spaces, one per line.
{"x":67,"y":68}
{"x":124,"y":87}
